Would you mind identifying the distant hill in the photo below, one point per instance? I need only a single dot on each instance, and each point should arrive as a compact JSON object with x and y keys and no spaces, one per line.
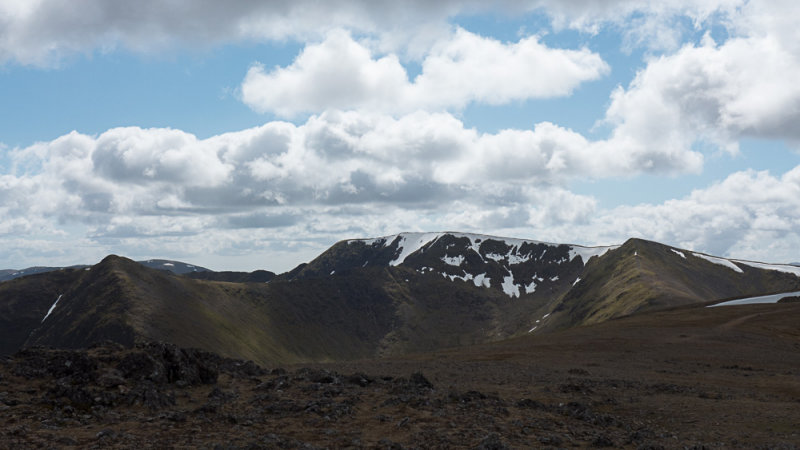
{"x":363,"y":298}
{"x":176,"y":267}
{"x":258,"y":276}
{"x":10,"y":274}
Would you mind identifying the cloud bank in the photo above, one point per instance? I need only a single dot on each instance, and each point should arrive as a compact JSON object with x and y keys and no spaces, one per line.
{"x":345,"y":173}
{"x":44,"y":32}
{"x":377,"y":150}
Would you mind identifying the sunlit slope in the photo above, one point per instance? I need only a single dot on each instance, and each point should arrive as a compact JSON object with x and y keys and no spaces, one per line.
{"x":642,"y":276}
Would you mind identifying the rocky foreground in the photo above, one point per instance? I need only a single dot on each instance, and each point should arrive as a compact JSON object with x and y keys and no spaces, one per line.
{"x":688,"y":378}
{"x":158,"y":395}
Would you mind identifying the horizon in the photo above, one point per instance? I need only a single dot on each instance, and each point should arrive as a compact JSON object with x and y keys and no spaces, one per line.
{"x":254,"y":136}
{"x":278,"y":272}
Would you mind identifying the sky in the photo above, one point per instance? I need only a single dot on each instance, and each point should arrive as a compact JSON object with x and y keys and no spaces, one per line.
{"x":245,"y":135}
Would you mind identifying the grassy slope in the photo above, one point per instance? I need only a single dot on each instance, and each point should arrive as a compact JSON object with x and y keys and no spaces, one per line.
{"x":643,"y":276}
{"x":25,"y":301}
{"x":93,"y":308}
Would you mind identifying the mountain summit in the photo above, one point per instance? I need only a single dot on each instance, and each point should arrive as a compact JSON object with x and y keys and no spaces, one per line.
{"x":513,"y":266}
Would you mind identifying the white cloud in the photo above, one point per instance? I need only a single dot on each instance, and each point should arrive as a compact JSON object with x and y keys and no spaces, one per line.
{"x":340,"y":73}
{"x":132,"y":186}
{"x":655,"y":25}
{"x":398,"y":161}
{"x":336,"y":158}
{"x":746,"y":87}
{"x":42,"y":32}
{"x":748,"y":215}
{"x":169,"y":156}
{"x":341,"y":194}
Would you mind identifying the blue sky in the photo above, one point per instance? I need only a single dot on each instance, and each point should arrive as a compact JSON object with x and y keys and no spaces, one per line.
{"x":256,"y":135}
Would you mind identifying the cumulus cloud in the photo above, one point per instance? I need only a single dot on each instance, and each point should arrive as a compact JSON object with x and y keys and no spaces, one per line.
{"x":163,"y":155}
{"x":132,"y":183}
{"x":749,"y":214}
{"x":364,"y":177}
{"x":718,"y":93}
{"x":340,"y":73}
{"x":396,"y":159}
{"x":45,"y":31}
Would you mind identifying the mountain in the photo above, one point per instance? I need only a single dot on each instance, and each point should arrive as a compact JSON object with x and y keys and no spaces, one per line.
{"x":513,"y":266}
{"x":373,"y":311}
{"x":258,"y":276}
{"x":561,"y":285}
{"x":644,"y":276}
{"x":366,"y":298}
{"x":6,"y":273}
{"x":10,"y":274}
{"x":176,"y":267}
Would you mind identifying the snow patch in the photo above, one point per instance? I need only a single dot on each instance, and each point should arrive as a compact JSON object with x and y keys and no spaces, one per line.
{"x":453,"y":260}
{"x":481,"y":280}
{"x":465,"y":277}
{"x":169,"y":264}
{"x":333,"y":272}
{"x":531,"y":330}
{"x":495,"y":257}
{"x":518,"y":259}
{"x":721,"y":261}
{"x":576,"y":281}
{"x":51,"y":309}
{"x":679,"y":253}
{"x":555,"y":278}
{"x":587,"y":253}
{"x":531,"y":288}
{"x":760,"y":299}
{"x":511,"y":289}
{"x":411,"y":242}
{"x":788,"y":268}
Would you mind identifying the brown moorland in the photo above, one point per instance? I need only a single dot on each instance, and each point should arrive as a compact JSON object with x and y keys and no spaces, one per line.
{"x":689,"y":377}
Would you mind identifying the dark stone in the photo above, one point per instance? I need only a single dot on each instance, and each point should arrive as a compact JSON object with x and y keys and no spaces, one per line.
{"x":492,"y":441}
{"x":359,"y":379}
{"x":603,"y":441}
{"x":418,"y":379}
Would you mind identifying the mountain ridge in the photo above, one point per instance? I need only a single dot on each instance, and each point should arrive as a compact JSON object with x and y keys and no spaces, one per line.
{"x":366,"y":298}
{"x":176,"y":267}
